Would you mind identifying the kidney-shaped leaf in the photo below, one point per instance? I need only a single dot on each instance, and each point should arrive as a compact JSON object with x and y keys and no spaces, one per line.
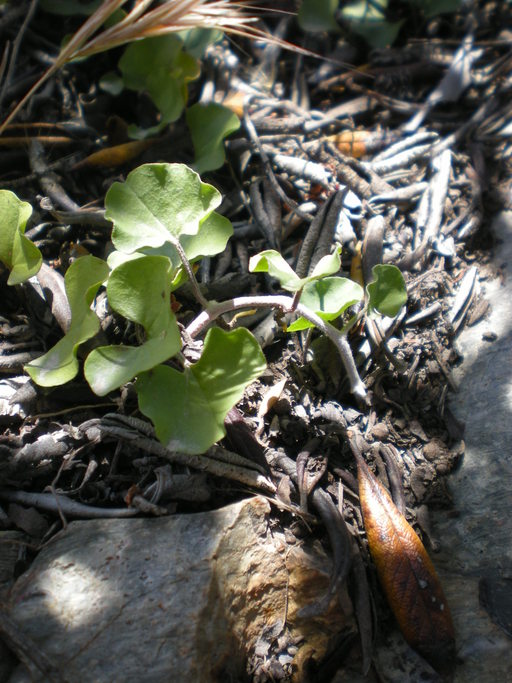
{"x":157,"y":201}
{"x":17,"y":252}
{"x":139,"y":289}
{"x":328,"y":298}
{"x":211,"y":239}
{"x":159,"y":66}
{"x":388,"y":292}
{"x":60,"y":364}
{"x":209,"y":124}
{"x":188,"y":408}
{"x":270,"y":261}
{"x":214,"y":233}
{"x":328,"y":265}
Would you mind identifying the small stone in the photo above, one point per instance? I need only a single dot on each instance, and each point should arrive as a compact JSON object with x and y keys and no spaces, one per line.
{"x":434,"y":449}
{"x":380,"y":431}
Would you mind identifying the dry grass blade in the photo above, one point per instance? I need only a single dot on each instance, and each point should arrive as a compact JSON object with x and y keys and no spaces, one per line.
{"x":68,"y":52}
{"x":145,"y":21}
{"x":149,"y":18}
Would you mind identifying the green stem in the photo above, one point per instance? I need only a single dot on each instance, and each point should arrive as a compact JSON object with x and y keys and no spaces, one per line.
{"x":286,"y":304}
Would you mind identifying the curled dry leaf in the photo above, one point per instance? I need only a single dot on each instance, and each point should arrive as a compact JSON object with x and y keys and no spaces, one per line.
{"x":406,"y":572}
{"x":269,"y":399}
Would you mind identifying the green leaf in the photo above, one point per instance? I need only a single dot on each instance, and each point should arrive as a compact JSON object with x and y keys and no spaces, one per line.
{"x":318,"y":15}
{"x":209,"y":124}
{"x":17,"y":252}
{"x":109,"y":367}
{"x":211,"y":239}
{"x":388,"y":293}
{"x":139,"y":290}
{"x":214,"y":233}
{"x":370,"y":22}
{"x":82,"y":280}
{"x":271,"y":262}
{"x":155,"y":201}
{"x":116,"y":258}
{"x":160,"y":67}
{"x":328,"y":298}
{"x":188,"y":408}
{"x":328,"y":265}
{"x":196,"y":40}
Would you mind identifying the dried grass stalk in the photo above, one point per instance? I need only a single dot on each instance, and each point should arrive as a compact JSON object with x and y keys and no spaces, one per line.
{"x":150,"y":18}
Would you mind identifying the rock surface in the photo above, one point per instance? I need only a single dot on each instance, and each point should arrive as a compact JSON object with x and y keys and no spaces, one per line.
{"x":196,"y":597}
{"x":477,"y":541}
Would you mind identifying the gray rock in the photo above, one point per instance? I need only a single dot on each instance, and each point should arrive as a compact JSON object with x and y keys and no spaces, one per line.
{"x":186,"y":598}
{"x":476,"y":543}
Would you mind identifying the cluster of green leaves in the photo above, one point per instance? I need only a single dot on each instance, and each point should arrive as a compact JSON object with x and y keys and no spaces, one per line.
{"x":367,"y":18}
{"x":163,"y":67}
{"x":329,"y":297}
{"x":163,"y":219}
{"x":158,"y":205}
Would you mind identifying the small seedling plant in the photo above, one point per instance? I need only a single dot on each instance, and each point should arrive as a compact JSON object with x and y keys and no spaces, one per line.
{"x":164,"y":221}
{"x":163,"y":67}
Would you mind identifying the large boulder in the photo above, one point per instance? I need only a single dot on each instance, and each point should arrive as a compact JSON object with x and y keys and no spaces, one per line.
{"x":200,"y":597}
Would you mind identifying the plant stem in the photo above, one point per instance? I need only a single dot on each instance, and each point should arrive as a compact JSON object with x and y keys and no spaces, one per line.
{"x":188,"y":268}
{"x":287,"y":304}
{"x":296,"y":299}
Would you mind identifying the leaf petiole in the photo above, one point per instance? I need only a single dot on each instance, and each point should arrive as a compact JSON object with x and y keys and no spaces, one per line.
{"x":287,"y":305}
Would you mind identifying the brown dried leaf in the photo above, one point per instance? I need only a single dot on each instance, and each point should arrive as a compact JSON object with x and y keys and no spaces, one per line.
{"x":406,"y":572}
{"x":111,"y":157}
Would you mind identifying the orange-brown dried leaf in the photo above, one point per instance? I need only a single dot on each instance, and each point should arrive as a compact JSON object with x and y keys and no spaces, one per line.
{"x":406,"y":573}
{"x":111,"y":157}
